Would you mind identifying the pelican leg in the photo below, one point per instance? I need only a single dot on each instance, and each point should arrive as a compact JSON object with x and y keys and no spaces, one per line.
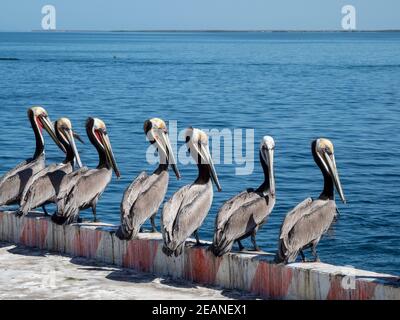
{"x":94,"y":212}
{"x":303,"y":257}
{"x":46,"y":214}
{"x":314,"y":252}
{"x":240,"y":245}
{"x":253,"y":240}
{"x":153,"y":223}
{"x":196,"y":235}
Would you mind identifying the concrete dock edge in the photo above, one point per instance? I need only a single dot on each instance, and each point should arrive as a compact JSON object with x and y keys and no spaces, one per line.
{"x":255,"y":273}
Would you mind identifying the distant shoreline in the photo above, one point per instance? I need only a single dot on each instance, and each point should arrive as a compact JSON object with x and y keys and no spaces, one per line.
{"x":202,"y":31}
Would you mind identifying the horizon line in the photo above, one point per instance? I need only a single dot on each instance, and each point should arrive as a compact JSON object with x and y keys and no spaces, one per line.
{"x":202,"y":30}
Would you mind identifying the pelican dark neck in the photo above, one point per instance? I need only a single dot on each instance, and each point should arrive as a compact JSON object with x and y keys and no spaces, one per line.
{"x":204,"y":173}
{"x":265,"y":186}
{"x":328,"y":191}
{"x":103,"y":162}
{"x":163,"y":166}
{"x":69,"y":156}
{"x":38,"y":136}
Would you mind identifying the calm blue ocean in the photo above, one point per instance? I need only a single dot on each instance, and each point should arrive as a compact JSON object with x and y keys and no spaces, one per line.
{"x":293,"y":86}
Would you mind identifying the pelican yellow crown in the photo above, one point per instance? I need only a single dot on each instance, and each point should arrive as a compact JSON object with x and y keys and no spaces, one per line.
{"x":64,"y":122}
{"x":37,"y":110}
{"x":325,"y":144}
{"x":159,"y":123}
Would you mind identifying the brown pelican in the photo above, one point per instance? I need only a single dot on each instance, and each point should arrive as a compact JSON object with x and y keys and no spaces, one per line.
{"x":14,"y":181}
{"x":82,"y":188}
{"x":185,"y":212}
{"x":145,"y":194}
{"x":46,"y":184}
{"x":242,"y":215}
{"x":304,"y":226}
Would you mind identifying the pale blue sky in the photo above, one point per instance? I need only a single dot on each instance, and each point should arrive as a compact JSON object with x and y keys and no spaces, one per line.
{"x":25,"y":15}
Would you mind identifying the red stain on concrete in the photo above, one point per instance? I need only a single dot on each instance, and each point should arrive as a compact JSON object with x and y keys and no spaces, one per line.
{"x":76,"y":243}
{"x":271,"y":280}
{"x":42,"y":232}
{"x":27,"y":234}
{"x":85,"y":242}
{"x":140,"y":254}
{"x":34,"y":233}
{"x":201,"y":265}
{"x":2,"y":231}
{"x":364,"y":290}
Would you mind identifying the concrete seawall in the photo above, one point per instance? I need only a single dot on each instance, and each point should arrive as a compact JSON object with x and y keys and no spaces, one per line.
{"x":247,"y":271}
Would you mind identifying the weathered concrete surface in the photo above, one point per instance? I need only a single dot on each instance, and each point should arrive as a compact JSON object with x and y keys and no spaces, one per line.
{"x":255,"y":273}
{"x":27,"y":273}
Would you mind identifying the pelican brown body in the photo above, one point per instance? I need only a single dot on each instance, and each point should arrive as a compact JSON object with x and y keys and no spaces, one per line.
{"x":243,"y":215}
{"x":45,"y":185}
{"x":143,"y":197}
{"x":304,"y":226}
{"x":12,"y":184}
{"x":82,"y":188}
{"x":185,"y":212}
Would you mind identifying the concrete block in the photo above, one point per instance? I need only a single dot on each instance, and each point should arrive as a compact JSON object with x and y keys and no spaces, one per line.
{"x":249,"y":271}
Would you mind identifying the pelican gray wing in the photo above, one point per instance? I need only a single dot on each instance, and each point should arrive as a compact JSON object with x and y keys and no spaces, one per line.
{"x":304,"y":226}
{"x":81,"y":193}
{"x":170,"y":211}
{"x":230,"y":206}
{"x":14,"y":170}
{"x":69,"y":181}
{"x":302,"y":209}
{"x":131,"y":193}
{"x":44,"y":187}
{"x":192,"y":210}
{"x":142,"y":200}
{"x":38,"y":175}
{"x":225,"y":212}
{"x":239,"y":218}
{"x":14,"y":181}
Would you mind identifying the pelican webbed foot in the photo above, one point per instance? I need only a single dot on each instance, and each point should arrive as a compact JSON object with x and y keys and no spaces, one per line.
{"x":19,"y":213}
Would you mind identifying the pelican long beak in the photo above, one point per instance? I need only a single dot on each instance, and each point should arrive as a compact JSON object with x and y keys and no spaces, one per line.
{"x":205,"y":155}
{"x":330,"y":161}
{"x":165,"y":146}
{"x":49,"y":127}
{"x":268,"y":157}
{"x":109,"y":153}
{"x":70,"y":136}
